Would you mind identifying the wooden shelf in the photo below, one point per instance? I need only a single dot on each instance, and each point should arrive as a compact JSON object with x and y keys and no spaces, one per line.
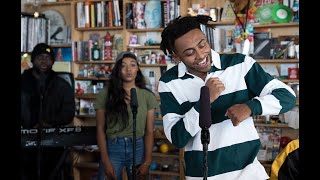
{"x":96,"y":62}
{"x":280,"y":25}
{"x":153,"y":65}
{"x":223,"y":23}
{"x":113,"y":62}
{"x":145,"y":47}
{"x":145,"y":30}
{"x":266,"y":163}
{"x":86,"y":96}
{"x":289,"y":80}
{"x":87,"y":165}
{"x":85,"y":116}
{"x":60,"y":3}
{"x":274,"y":25}
{"x":277,"y":60}
{"x":277,"y":125}
{"x":168,"y":173}
{"x":92,"y":78}
{"x":95,"y":166}
{"x":99,"y":28}
{"x":158,"y":154}
{"x":160,"y":137}
{"x":60,"y":45}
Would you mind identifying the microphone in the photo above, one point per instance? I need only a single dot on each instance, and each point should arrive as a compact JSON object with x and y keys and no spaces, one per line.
{"x":134,"y":108}
{"x":134,"y":100}
{"x":205,"y":111}
{"x":205,"y":123}
{"x":54,"y":35}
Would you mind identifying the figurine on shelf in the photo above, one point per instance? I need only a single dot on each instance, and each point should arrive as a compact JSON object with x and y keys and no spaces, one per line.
{"x":79,"y":90}
{"x":202,"y":10}
{"x":107,"y":47}
{"x":191,"y":12}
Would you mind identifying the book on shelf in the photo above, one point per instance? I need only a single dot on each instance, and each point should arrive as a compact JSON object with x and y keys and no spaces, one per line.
{"x":152,"y":14}
{"x":129,"y":16}
{"x":33,"y":31}
{"x":92,"y":14}
{"x":87,"y":14}
{"x":270,"y":143}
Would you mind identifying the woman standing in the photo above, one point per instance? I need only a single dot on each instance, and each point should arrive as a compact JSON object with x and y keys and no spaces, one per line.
{"x":115,"y":122}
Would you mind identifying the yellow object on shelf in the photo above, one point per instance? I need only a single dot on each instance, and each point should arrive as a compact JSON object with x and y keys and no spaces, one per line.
{"x":164,"y":148}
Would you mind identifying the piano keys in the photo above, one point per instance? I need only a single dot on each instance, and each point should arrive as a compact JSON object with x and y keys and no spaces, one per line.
{"x":59,"y":137}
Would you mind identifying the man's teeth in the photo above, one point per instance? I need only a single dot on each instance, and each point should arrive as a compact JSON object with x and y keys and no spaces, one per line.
{"x":202,"y":62}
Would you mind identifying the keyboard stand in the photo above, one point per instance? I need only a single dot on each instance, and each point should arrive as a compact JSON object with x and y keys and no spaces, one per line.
{"x":62,"y":159}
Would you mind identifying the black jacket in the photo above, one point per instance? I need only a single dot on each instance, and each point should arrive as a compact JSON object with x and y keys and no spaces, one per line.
{"x":58,"y":100}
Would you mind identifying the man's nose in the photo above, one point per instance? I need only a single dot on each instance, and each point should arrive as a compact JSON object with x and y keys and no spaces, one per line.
{"x":199,"y":54}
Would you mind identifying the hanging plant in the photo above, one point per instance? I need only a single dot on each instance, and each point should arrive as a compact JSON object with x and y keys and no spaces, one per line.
{"x":244,"y":11}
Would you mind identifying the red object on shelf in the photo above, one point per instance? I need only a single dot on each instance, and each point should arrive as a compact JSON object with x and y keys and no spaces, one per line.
{"x":284,"y":141}
{"x":107,"y":47}
{"x":293,"y":73}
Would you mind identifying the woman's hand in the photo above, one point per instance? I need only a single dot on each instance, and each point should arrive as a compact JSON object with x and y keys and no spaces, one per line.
{"x":142,"y":171}
{"x":109,"y":171}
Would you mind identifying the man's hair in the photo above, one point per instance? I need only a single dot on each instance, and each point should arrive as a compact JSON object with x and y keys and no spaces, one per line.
{"x":178,"y":27}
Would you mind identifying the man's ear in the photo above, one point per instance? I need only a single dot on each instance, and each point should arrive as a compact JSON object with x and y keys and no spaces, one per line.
{"x":176,"y":58}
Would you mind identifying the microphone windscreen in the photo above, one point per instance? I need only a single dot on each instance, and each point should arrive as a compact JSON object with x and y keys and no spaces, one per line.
{"x":134,"y":100}
{"x":205,"y":111}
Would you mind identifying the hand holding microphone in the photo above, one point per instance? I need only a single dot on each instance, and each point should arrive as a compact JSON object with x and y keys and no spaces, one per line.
{"x":215,"y":88}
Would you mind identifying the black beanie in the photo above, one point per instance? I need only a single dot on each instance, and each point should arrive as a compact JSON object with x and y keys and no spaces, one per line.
{"x":40,"y":49}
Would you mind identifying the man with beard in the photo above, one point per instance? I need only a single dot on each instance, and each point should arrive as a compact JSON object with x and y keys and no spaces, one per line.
{"x":47,"y":100}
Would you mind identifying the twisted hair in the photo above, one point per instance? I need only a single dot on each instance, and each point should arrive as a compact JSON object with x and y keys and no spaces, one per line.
{"x":116,"y":107}
{"x":178,"y":27}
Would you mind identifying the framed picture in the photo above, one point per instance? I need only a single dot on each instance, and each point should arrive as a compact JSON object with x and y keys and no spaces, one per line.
{"x":63,"y":54}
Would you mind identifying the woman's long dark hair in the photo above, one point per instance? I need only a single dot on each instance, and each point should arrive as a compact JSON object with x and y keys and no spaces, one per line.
{"x":116,"y":107}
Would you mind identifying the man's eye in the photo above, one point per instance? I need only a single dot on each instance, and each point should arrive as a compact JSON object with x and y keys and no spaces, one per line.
{"x":202,"y":45}
{"x":189,"y":53}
